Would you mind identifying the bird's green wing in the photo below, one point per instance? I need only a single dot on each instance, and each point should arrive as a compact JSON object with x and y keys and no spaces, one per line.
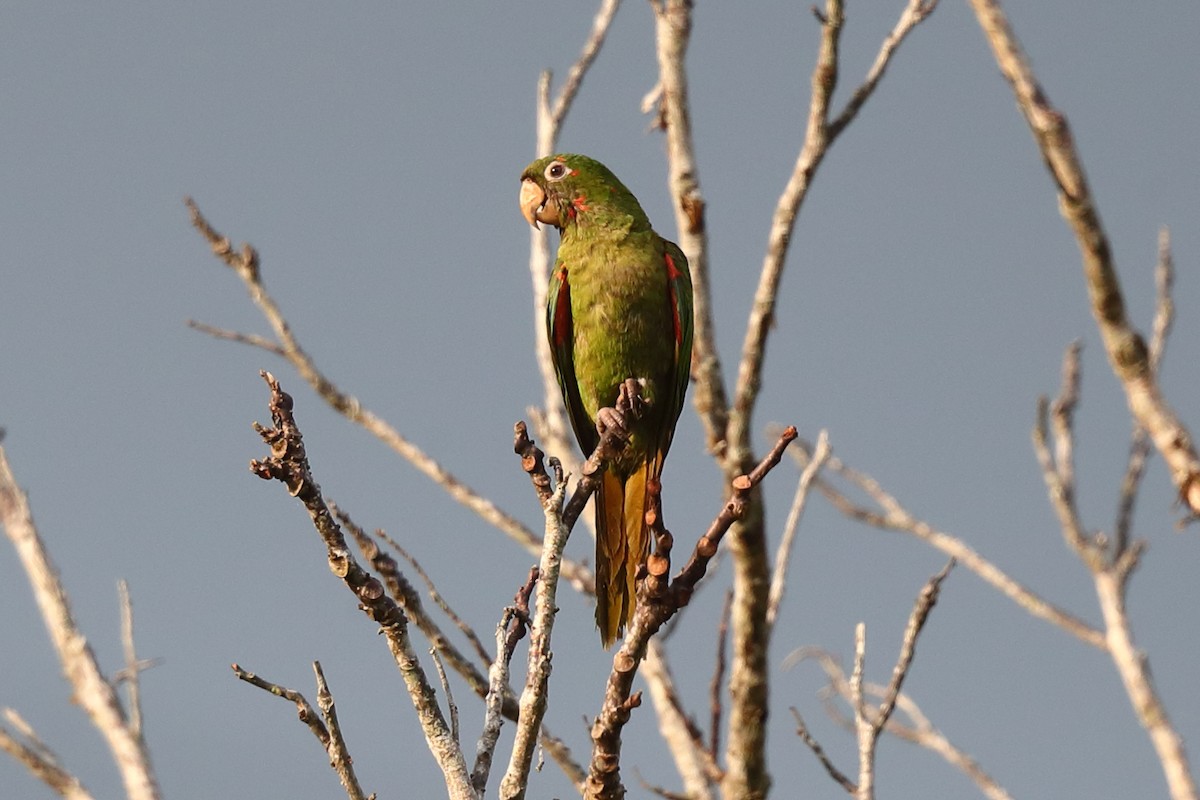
{"x":679,"y":286}
{"x":561,"y":335}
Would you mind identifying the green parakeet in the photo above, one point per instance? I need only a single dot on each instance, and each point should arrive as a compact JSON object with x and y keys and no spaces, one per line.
{"x":619,"y":307}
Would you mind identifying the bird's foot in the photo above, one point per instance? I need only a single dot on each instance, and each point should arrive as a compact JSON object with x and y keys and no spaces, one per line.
{"x":610,"y":420}
{"x":630,"y":407}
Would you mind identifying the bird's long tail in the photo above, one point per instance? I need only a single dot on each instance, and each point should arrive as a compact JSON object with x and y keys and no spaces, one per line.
{"x":622,"y":544}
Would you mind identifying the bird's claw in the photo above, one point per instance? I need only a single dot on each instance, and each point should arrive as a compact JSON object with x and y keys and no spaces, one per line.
{"x":611,"y":420}
{"x":630,"y":406}
{"x":629,"y":398}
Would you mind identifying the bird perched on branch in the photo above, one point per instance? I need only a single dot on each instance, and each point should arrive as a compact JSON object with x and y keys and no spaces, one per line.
{"x":618,"y":309}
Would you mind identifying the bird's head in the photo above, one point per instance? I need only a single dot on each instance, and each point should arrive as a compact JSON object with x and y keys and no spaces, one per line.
{"x":563,"y":189}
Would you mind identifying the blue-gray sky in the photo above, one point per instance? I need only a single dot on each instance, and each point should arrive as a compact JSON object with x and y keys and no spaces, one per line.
{"x":371,"y":154}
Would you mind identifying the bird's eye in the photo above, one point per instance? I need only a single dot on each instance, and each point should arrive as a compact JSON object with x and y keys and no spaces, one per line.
{"x":556,"y":171}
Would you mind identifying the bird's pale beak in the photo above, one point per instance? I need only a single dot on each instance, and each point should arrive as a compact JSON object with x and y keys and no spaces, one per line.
{"x":533,"y":204}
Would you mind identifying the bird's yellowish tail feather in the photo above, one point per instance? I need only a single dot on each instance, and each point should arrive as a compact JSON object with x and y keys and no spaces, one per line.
{"x":610,"y":557}
{"x":622,"y":544}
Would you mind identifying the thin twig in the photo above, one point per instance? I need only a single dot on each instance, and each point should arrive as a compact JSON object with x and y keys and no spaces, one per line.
{"x":251,"y":339}
{"x":838,"y":776}
{"x":435,"y":595}
{"x":133,"y":666}
{"x":925,"y":602}
{"x":324,"y":726}
{"x":819,"y":135}
{"x":493,"y":719}
{"x":509,"y":632}
{"x":403,"y":592}
{"x":339,"y":753}
{"x":451,"y":706}
{"x":783,"y":554}
{"x":1057,"y":464}
{"x":718,"y":679}
{"x":868,"y":722}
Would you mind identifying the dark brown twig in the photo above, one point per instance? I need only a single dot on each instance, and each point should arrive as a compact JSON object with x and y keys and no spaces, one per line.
{"x":718,"y":680}
{"x":324,"y":726}
{"x":733,"y":510}
{"x":838,"y":776}
{"x":658,"y":600}
{"x":532,"y":461}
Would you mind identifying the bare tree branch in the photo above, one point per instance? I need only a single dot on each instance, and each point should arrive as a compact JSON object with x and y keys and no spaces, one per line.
{"x":717,"y":684}
{"x":696,"y":769}
{"x":339,"y":754}
{"x":908,"y":645}
{"x":836,"y":774}
{"x":783,"y":554}
{"x":864,"y":729}
{"x":1127,"y":352}
{"x":534,"y":697}
{"x":91,"y":690}
{"x":865,"y":721}
{"x":673,"y":26}
{"x":288,"y":464}
{"x":130,"y":675}
{"x":508,"y":633}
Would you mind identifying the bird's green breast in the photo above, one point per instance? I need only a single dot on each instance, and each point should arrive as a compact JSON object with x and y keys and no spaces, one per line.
{"x":622,"y":323}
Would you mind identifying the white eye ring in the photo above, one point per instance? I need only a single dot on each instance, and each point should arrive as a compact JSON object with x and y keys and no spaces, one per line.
{"x":556,"y":171}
